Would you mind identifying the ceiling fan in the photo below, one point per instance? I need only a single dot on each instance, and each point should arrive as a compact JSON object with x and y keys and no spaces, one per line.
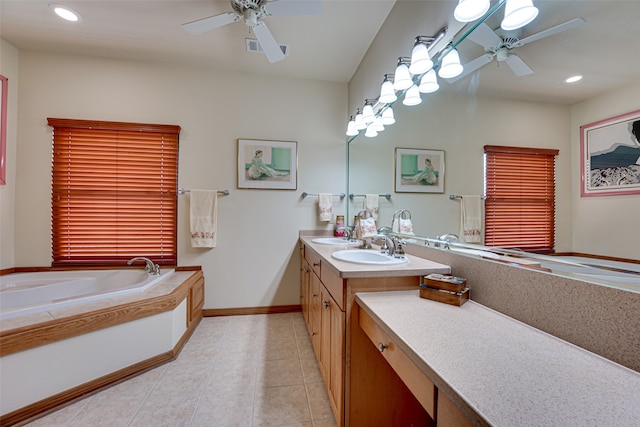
{"x":500,"y":46}
{"x":252,"y":13}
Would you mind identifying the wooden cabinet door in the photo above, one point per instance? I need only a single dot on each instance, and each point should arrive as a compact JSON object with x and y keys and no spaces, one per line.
{"x":305,"y":290}
{"x":332,"y":351}
{"x":315,"y":307}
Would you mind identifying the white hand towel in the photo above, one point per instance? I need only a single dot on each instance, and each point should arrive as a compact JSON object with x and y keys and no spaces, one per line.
{"x":471,"y":219}
{"x":371,"y":205}
{"x":325,"y":206}
{"x":204,"y":218}
{"x":405,"y":226}
{"x":367,"y":228}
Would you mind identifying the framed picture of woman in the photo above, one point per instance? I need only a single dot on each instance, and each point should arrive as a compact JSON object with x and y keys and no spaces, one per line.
{"x":267,"y":164}
{"x":419,"y":171}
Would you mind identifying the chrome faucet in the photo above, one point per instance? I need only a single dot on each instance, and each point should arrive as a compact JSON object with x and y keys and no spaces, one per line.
{"x":348,"y":232}
{"x":150,"y":267}
{"x":388,"y":245}
{"x":447,"y":238}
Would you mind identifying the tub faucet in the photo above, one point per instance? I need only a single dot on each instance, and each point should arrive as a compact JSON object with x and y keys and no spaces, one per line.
{"x":150,"y":267}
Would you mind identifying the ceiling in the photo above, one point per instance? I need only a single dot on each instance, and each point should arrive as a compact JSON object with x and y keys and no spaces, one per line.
{"x":331,"y":46}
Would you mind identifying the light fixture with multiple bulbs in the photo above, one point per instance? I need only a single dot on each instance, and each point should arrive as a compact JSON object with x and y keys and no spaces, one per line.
{"x":417,"y":74}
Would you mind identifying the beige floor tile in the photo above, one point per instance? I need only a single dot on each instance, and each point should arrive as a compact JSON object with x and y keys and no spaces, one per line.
{"x":280,"y":372}
{"x":234,"y":375}
{"x":166,"y":411}
{"x":310,"y":370}
{"x":276,"y":406}
{"x":319,"y":402}
{"x":107,"y":414}
{"x":224,"y":409}
{"x":182,"y":379}
{"x":137,"y":387}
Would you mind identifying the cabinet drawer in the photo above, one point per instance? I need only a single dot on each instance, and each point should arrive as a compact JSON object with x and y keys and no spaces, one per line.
{"x":313,"y":259}
{"x":334,"y":284}
{"x":420,"y":385}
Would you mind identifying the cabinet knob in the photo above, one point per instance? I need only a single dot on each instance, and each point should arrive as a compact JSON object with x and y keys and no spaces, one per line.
{"x":315,"y":264}
{"x":382,"y":347}
{"x":314,"y":295}
{"x":313,"y":334}
{"x":325,"y":304}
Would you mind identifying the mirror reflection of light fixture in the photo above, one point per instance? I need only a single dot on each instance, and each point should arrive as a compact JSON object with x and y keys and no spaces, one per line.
{"x":377,"y":124}
{"x":360,"y":125}
{"x":387,"y":92}
{"x":351,"y":127}
{"x":470,"y":10}
{"x":370,"y":132}
{"x":420,"y":60}
{"x":367,"y":113}
{"x":450,"y":66}
{"x":388,"y":117}
{"x":429,"y":82}
{"x":402,"y":77}
{"x":518,"y":13}
{"x":412,"y":97}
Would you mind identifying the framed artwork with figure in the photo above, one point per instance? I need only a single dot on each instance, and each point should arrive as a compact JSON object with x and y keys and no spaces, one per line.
{"x":610,"y":156}
{"x":269,"y":165}
{"x":419,"y":171}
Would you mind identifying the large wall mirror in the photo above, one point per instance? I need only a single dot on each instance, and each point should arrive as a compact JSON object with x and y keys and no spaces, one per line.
{"x":494,"y":106}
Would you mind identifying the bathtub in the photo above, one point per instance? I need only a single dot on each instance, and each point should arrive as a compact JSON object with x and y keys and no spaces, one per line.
{"x":27,"y":293}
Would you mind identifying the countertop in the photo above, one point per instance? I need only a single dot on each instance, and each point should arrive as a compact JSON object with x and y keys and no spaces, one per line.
{"x":415,"y":267}
{"x":502,"y":372}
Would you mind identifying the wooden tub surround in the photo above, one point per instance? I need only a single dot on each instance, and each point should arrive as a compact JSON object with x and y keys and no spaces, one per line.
{"x":179,"y":296}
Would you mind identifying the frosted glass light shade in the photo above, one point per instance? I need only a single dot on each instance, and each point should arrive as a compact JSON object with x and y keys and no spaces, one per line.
{"x":420,"y":60}
{"x":518,"y":13}
{"x":470,"y":10}
{"x":388,"y":117}
{"x":402,"y":79}
{"x":429,"y":82}
{"x":412,"y":96}
{"x":360,"y":124}
{"x":387,"y":93}
{"x":351,"y":128}
{"x":370,"y":132}
{"x":377,"y":124}
{"x":367,"y":114}
{"x":450,"y":66}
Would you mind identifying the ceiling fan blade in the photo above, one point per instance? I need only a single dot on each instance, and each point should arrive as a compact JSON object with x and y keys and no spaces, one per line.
{"x":485,"y":36}
{"x":517,"y":65}
{"x":472,"y":66}
{"x":293,"y":7}
{"x":552,"y":31}
{"x":206,"y":24}
{"x":269,"y":44}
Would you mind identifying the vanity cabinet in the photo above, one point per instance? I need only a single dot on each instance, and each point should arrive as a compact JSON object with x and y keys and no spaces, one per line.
{"x":327,"y":299}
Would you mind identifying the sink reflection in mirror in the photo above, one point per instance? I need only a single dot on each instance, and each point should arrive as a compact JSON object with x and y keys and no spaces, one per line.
{"x":360,"y":256}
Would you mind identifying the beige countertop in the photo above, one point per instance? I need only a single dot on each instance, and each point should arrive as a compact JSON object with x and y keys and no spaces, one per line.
{"x":415,"y":267}
{"x":502,"y":372}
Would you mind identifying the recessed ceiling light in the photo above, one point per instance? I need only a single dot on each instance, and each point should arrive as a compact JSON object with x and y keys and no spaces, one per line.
{"x":65,"y":12}
{"x":573,"y":79}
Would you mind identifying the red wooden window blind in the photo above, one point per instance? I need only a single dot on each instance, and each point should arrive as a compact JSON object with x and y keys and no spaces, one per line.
{"x":520,"y":198}
{"x":113,"y":192}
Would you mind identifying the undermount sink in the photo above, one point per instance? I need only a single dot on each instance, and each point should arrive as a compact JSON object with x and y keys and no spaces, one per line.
{"x":360,"y":256}
{"x":334,"y":241}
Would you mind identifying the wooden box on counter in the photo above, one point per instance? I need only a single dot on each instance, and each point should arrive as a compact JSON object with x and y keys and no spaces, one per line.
{"x":443,"y":288}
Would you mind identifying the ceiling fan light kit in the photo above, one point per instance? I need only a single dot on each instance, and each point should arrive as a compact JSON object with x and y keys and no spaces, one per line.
{"x":252,"y":12}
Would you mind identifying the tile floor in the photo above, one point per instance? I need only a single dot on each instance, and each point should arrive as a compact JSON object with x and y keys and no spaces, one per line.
{"x":247,"y":371}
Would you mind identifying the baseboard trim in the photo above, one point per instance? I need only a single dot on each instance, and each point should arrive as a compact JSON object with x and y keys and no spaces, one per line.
{"x":240,"y":311}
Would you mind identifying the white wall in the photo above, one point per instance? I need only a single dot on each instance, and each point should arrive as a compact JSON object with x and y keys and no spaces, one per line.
{"x":9,"y":57}
{"x":606,"y":224}
{"x":256,"y":261}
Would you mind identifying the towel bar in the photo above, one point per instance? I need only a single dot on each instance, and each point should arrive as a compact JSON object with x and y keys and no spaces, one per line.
{"x":305,"y":194}
{"x":184,"y":191}
{"x":386,"y":196}
{"x":455,"y":196}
